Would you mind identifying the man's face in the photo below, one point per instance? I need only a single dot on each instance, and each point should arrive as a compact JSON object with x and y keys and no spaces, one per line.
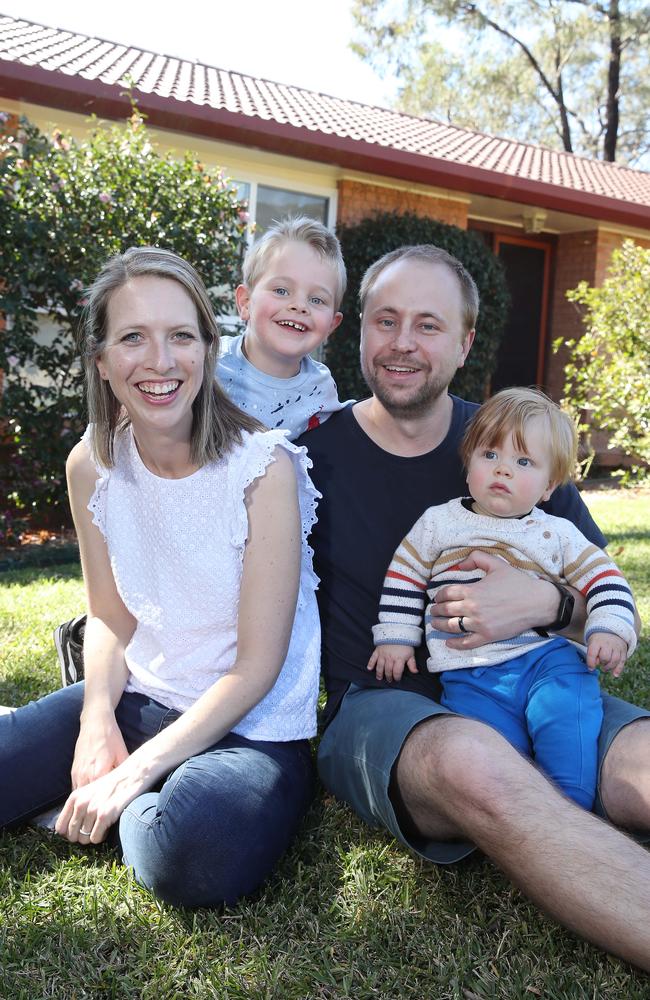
{"x":413,"y":338}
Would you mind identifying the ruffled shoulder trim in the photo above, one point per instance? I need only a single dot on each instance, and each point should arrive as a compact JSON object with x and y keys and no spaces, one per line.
{"x":97,"y":502}
{"x":251,"y":459}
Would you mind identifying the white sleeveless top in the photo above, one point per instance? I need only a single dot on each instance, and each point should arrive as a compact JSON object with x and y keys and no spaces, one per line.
{"x":176,"y":549}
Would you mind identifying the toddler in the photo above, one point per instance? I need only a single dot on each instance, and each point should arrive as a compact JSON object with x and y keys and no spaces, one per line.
{"x":294,"y":280}
{"x":535,"y":688}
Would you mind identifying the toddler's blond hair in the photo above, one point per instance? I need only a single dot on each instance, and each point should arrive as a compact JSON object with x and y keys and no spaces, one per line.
{"x":509,"y":411}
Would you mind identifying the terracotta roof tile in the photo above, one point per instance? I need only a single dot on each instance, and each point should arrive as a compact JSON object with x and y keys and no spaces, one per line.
{"x":94,"y":59}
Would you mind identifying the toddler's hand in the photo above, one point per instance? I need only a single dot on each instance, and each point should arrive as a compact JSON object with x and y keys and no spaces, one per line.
{"x":389,"y":661}
{"x":606,"y":651}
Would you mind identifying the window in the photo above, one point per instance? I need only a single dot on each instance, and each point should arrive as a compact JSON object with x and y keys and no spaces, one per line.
{"x":275,"y":204}
{"x":266,"y":203}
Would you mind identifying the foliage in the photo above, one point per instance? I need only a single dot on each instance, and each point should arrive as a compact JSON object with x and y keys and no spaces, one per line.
{"x":67,"y":206}
{"x":364,"y":243}
{"x":571,"y":74}
{"x":607,"y":377}
{"x":348,"y":912}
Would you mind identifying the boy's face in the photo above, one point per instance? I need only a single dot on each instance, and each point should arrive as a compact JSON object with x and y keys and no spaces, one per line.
{"x":290,"y":310}
{"x":506,"y":481}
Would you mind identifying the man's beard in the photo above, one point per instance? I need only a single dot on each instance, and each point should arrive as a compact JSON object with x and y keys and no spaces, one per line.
{"x":397,"y":402}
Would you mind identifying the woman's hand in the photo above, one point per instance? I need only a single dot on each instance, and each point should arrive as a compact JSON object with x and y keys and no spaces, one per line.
{"x":91,"y":809}
{"x":99,"y":749}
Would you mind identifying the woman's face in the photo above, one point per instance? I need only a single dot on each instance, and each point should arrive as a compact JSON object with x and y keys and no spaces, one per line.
{"x":153,"y":355}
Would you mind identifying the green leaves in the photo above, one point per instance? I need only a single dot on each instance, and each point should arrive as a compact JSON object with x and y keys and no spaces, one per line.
{"x":65,"y":207}
{"x":607,"y":375}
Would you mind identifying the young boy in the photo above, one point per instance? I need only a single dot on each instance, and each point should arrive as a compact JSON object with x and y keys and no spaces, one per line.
{"x":536,"y":689}
{"x":294,"y":280}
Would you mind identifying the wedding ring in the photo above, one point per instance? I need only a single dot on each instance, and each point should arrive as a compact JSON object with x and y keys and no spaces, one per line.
{"x":461,"y":626}
{"x":86,"y":833}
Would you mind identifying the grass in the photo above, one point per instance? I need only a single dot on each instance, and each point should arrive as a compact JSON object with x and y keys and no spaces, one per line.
{"x":348,"y":914}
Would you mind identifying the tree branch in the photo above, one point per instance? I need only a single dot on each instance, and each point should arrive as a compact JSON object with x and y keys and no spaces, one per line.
{"x":473,"y":10}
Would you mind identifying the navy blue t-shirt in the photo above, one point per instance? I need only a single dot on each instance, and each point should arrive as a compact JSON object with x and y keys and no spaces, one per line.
{"x":371,"y":499}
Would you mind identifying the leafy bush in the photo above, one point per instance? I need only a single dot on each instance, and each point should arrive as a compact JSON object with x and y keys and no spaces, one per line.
{"x":364,"y":243}
{"x":607,"y":377}
{"x":66,"y":207}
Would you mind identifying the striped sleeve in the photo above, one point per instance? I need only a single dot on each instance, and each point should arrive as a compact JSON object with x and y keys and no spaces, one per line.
{"x":610,"y":604}
{"x":404,"y":593}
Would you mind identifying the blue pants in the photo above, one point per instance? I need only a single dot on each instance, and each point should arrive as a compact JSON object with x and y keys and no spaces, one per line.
{"x":212,"y":832}
{"x":546,"y":703}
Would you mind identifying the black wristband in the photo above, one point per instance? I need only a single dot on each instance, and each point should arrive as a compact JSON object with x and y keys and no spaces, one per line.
{"x":564,"y":611}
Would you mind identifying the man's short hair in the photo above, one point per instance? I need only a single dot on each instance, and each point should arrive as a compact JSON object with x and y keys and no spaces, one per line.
{"x":508,"y":412}
{"x":300,"y":229}
{"x":430,"y":255}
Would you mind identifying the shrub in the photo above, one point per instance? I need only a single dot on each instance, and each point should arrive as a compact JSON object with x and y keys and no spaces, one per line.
{"x":607,"y":376}
{"x":370,"y":239}
{"x":66,"y":207}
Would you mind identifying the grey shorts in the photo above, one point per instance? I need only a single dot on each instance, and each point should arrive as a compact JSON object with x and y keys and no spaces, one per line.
{"x":360,"y":747}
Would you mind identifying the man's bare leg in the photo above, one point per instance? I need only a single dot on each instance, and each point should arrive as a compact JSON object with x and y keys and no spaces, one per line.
{"x":625,"y":778}
{"x":459,"y":778}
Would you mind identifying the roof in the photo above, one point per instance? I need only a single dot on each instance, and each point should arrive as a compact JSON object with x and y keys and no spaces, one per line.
{"x":64,"y":69}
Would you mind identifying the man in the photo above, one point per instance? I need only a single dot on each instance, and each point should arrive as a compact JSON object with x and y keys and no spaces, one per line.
{"x":442,"y":783}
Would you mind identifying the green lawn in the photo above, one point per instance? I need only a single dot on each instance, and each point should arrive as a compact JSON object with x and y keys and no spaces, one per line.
{"x":348,"y":913}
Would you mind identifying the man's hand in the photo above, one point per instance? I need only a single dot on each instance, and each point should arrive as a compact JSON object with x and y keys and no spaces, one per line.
{"x":504,"y":603}
{"x":606,"y":651}
{"x":99,"y":749}
{"x":388,"y":662}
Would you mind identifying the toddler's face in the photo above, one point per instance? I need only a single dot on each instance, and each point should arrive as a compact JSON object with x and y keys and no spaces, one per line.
{"x":506,"y":481}
{"x":290,"y":310}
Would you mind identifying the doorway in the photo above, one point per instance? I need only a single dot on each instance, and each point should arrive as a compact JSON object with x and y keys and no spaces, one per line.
{"x":522,"y":352}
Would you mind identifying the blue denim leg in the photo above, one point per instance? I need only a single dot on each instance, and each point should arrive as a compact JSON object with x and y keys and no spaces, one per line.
{"x":214,"y":830}
{"x":220,"y":822}
{"x":37,"y":745}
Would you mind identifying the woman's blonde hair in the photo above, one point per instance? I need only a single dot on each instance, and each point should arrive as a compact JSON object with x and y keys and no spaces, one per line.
{"x":508,"y":412}
{"x":217,"y":423}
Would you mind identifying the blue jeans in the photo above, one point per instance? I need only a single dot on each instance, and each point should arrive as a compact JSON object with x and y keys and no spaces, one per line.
{"x":546,"y":703}
{"x":214,"y":829}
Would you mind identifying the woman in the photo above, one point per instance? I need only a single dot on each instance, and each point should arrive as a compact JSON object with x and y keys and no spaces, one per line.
{"x":190,"y":730}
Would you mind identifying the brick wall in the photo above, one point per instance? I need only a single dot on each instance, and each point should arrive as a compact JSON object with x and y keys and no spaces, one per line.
{"x":575,"y":260}
{"x":357,"y":201}
{"x":607,"y":242}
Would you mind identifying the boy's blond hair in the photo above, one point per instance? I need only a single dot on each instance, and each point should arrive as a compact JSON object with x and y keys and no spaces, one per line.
{"x":508,"y":412}
{"x":300,"y":229}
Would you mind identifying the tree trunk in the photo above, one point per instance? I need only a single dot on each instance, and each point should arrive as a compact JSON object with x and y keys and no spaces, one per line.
{"x":613,"y":79}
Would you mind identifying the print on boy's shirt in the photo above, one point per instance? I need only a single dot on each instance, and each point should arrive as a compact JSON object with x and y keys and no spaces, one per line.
{"x":293,"y":404}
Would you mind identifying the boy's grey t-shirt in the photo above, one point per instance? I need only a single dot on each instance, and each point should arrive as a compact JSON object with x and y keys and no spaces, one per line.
{"x":295,"y":404}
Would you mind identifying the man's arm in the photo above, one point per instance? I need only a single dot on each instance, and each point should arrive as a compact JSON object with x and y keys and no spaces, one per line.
{"x":504,"y":603}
